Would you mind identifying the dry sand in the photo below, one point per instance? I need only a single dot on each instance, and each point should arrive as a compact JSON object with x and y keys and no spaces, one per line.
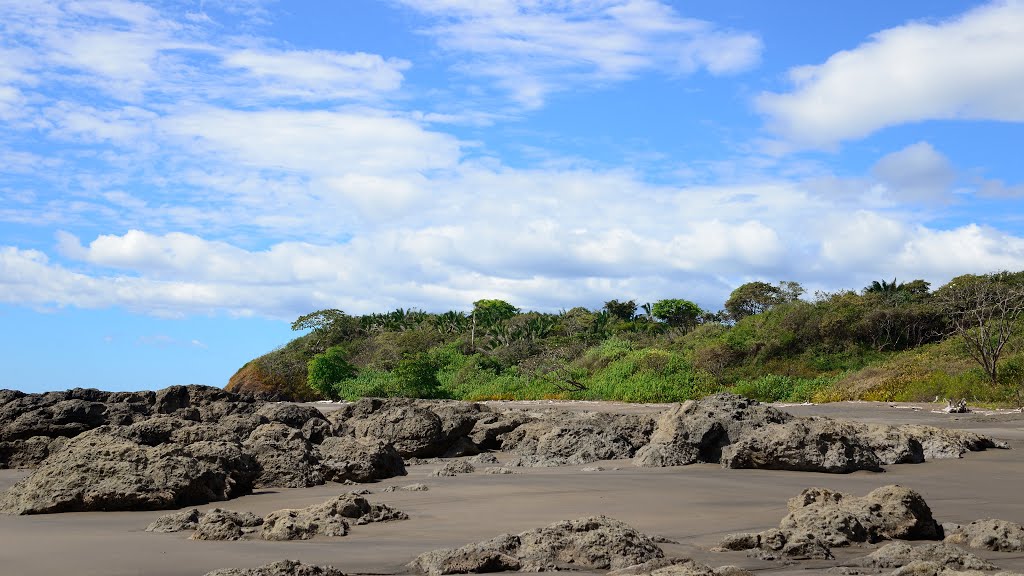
{"x":694,"y":505}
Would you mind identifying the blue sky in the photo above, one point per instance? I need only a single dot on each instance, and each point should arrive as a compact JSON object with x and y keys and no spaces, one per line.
{"x":181,"y":179}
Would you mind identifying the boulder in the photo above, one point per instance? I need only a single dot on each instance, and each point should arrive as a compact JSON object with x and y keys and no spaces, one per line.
{"x":490,"y":428}
{"x":219,"y":524}
{"x":413,"y":431}
{"x":100,"y":470}
{"x":593,"y":543}
{"x":359,"y":460}
{"x":454,"y":468}
{"x":805,"y":444}
{"x":30,"y":452}
{"x":282,"y":568}
{"x":944,"y":556}
{"x":990,"y":534}
{"x":776,"y":544}
{"x":328,"y":519}
{"x":886,"y":513}
{"x":580,"y":438}
{"x":285,"y":458}
{"x":940,"y":443}
{"x":291,"y":415}
{"x":698,"y":430}
{"x":176,"y":521}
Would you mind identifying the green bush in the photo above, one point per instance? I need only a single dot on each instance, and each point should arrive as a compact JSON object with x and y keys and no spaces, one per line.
{"x":327,"y":372}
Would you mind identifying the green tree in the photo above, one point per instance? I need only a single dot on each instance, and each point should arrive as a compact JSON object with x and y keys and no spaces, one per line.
{"x":327,"y":372}
{"x":676,"y":312}
{"x":624,"y":311}
{"x":758,"y":297}
{"x":983,"y":311}
{"x":329,"y":327}
{"x":417,"y":376}
{"x":493,"y":310}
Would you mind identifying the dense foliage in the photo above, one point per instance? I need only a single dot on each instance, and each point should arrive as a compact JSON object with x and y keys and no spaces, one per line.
{"x":890,"y":341}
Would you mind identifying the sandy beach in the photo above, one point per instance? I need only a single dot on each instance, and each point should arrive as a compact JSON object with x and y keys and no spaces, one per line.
{"x":693,"y":505}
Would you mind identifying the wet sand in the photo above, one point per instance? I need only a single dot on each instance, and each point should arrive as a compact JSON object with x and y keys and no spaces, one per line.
{"x":693,"y":505}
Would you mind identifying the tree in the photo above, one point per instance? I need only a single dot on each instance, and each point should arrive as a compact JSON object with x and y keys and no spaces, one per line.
{"x":326,"y":372}
{"x":983,"y":311}
{"x":490,"y":314}
{"x":676,"y":312}
{"x":624,"y":311}
{"x":328,"y":326}
{"x":758,"y":297}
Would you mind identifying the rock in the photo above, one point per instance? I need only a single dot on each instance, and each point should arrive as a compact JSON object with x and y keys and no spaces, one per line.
{"x":413,"y":431}
{"x":593,"y":543}
{"x":328,"y":519}
{"x":899,"y":554}
{"x":499,"y":470}
{"x":580,"y":438}
{"x":417,"y":487}
{"x":534,"y":461}
{"x":291,"y":415}
{"x":485,"y":458}
{"x":990,"y":534}
{"x":887,"y":513}
{"x":592,"y":469}
{"x":176,"y":522}
{"x":490,"y":428}
{"x":99,"y":470}
{"x":891,"y":444}
{"x":282,"y":568}
{"x":359,"y":460}
{"x":28,"y":453}
{"x":218,"y":524}
{"x":698,"y":430}
{"x":285,"y":457}
{"x":939,"y":443}
{"x":677,"y":567}
{"x":454,"y":468}
{"x":806,"y":444}
{"x":776,"y":543}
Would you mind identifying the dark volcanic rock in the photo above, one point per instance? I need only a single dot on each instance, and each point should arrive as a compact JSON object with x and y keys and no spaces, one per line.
{"x":219,"y":524}
{"x":28,"y":453}
{"x":99,"y":470}
{"x":698,"y":430}
{"x":806,"y":444}
{"x":594,"y":543}
{"x":580,"y":438}
{"x":359,"y":460}
{"x":285,"y":457}
{"x":328,"y":519}
{"x":176,"y":522}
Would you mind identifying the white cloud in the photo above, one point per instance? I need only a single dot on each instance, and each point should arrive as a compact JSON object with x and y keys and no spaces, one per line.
{"x":319,"y":74}
{"x":534,"y":48}
{"x":916,"y":173}
{"x":970,"y":67}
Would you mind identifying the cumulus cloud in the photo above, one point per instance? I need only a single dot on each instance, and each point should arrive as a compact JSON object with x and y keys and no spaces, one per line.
{"x":531,"y":49}
{"x":916,"y":173}
{"x":970,"y":67}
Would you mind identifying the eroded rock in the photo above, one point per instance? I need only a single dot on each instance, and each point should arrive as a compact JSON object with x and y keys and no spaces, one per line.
{"x":990,"y":534}
{"x":593,"y":543}
{"x":282,"y":568}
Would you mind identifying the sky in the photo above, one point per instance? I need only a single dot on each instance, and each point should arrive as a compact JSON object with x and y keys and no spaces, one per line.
{"x":180,"y":179}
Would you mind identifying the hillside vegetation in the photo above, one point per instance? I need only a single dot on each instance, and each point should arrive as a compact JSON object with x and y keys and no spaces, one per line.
{"x":889,"y":341}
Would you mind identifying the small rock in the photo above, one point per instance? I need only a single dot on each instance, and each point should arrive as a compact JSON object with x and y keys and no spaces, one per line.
{"x":282,"y":568}
{"x":176,"y":522}
{"x":454,"y":469}
{"x":499,"y":470}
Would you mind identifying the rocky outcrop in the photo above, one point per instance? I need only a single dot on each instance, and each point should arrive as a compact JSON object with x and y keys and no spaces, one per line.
{"x":331,"y":518}
{"x":593,"y":543}
{"x":176,"y":522}
{"x":887,"y":513}
{"x":575,"y":438}
{"x":741,"y":433}
{"x":454,"y":468}
{"x":100,"y":470}
{"x":990,"y":534}
{"x":678,"y":567}
{"x":359,"y":460}
{"x":777,"y":544}
{"x":285,"y":457}
{"x":937,"y":557}
{"x":807,"y":445}
{"x":698,"y":430}
{"x":220,"y":524}
{"x":282,"y":568}
{"x":821,"y":519}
